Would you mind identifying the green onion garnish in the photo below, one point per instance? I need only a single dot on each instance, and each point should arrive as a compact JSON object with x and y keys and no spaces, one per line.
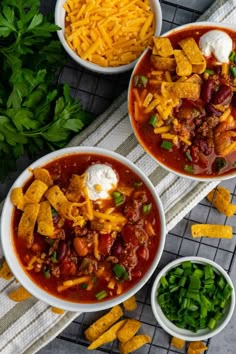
{"x":147,"y":208}
{"x":46,"y":273}
{"x":232,"y":57}
{"x":138,"y":184}
{"x":153,"y":121}
{"x":54,"y":257}
{"x":164,"y":282}
{"x":188,"y":169}
{"x":193,"y":296}
{"x":189,"y":157}
{"x":118,"y":198}
{"x":84,"y":286}
{"x":211,"y":323}
{"x":119,"y":271}
{"x":233,"y":70}
{"x":167,"y":145}
{"x":234,"y":164}
{"x":54,"y":212}
{"x":140,"y":81}
{"x":101,"y":295}
{"x":209,"y":72}
{"x":219,"y":163}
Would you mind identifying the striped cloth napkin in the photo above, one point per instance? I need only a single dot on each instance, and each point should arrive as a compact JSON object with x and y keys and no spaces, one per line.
{"x":28,"y":326}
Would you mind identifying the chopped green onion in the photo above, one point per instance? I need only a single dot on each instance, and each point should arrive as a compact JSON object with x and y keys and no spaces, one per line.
{"x":209,"y":72}
{"x":54,"y":212}
{"x":188,"y":168}
{"x":101,"y":295}
{"x":209,"y":272}
{"x":84,"y":286}
{"x":147,"y":208}
{"x":232,"y":70}
{"x":46,"y":273}
{"x":138,"y":184}
{"x":212,"y":323}
{"x":164,"y":282}
{"x":218,"y":164}
{"x":232,"y":57}
{"x":119,"y":270}
{"x":140,"y":81}
{"x":195,"y":283}
{"x":178,"y":271}
{"x":189,"y":157}
{"x":221,"y":283}
{"x":118,"y":198}
{"x":182,"y":281}
{"x":187,"y":265}
{"x":153,"y":121}
{"x":167,"y":145}
{"x":193,"y":296}
{"x":173,"y":288}
{"x":116,"y":194}
{"x":198,"y":273}
{"x":234,"y":164}
{"x":54,"y":257}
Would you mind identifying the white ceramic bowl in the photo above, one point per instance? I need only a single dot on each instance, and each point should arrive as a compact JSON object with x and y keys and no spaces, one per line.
{"x":184,"y":334}
{"x":60,"y":21}
{"x":175,"y":30}
{"x":14,"y":263}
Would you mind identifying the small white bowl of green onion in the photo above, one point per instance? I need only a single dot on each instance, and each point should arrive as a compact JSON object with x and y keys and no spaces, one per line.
{"x":193,"y":298}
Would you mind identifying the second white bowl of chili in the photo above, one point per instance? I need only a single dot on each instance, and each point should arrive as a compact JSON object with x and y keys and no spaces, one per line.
{"x":182,"y":104}
{"x":82,"y":229}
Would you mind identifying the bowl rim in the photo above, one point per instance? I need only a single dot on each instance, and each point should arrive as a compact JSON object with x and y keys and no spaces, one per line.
{"x":14,"y":262}
{"x":186,"y":334}
{"x":58,"y":15}
{"x":177,"y":173}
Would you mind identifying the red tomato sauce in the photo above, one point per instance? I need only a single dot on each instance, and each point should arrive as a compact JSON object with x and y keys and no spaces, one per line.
{"x":132,"y":248}
{"x":201,"y":155}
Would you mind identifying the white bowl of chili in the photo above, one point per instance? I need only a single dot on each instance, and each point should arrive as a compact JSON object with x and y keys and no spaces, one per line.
{"x":82,"y":229}
{"x":112,"y":40}
{"x":193,"y":298}
{"x":182,"y":111}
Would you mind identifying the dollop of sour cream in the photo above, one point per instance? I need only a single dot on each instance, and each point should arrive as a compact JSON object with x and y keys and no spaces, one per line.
{"x":218,"y":43}
{"x":100,"y":179}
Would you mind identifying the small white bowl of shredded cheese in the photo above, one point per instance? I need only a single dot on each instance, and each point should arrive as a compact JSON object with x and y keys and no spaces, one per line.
{"x":109,"y":39}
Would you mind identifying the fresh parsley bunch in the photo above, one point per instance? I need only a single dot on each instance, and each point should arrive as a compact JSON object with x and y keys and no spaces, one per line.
{"x":35,"y":115}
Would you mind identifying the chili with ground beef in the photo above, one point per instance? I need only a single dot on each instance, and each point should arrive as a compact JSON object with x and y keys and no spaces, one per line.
{"x":89,"y":263}
{"x":206,"y":137}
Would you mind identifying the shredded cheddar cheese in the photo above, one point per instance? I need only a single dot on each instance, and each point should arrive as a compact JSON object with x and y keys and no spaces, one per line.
{"x":108,"y":33}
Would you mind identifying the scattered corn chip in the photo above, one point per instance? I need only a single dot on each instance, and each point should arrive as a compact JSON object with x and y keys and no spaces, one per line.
{"x":5,"y":271}
{"x":220,"y":198}
{"x":20,"y":294}
{"x":130,"y":304}
{"x":129,"y":329}
{"x":134,"y":343}
{"x":103,"y":323}
{"x":212,"y":231}
{"x":57,"y":310}
{"x":107,"y":336}
{"x":196,"y":347}
{"x":177,"y":343}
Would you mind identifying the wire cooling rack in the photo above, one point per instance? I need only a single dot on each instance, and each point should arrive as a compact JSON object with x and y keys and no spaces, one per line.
{"x":179,"y":243}
{"x":96,"y":93}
